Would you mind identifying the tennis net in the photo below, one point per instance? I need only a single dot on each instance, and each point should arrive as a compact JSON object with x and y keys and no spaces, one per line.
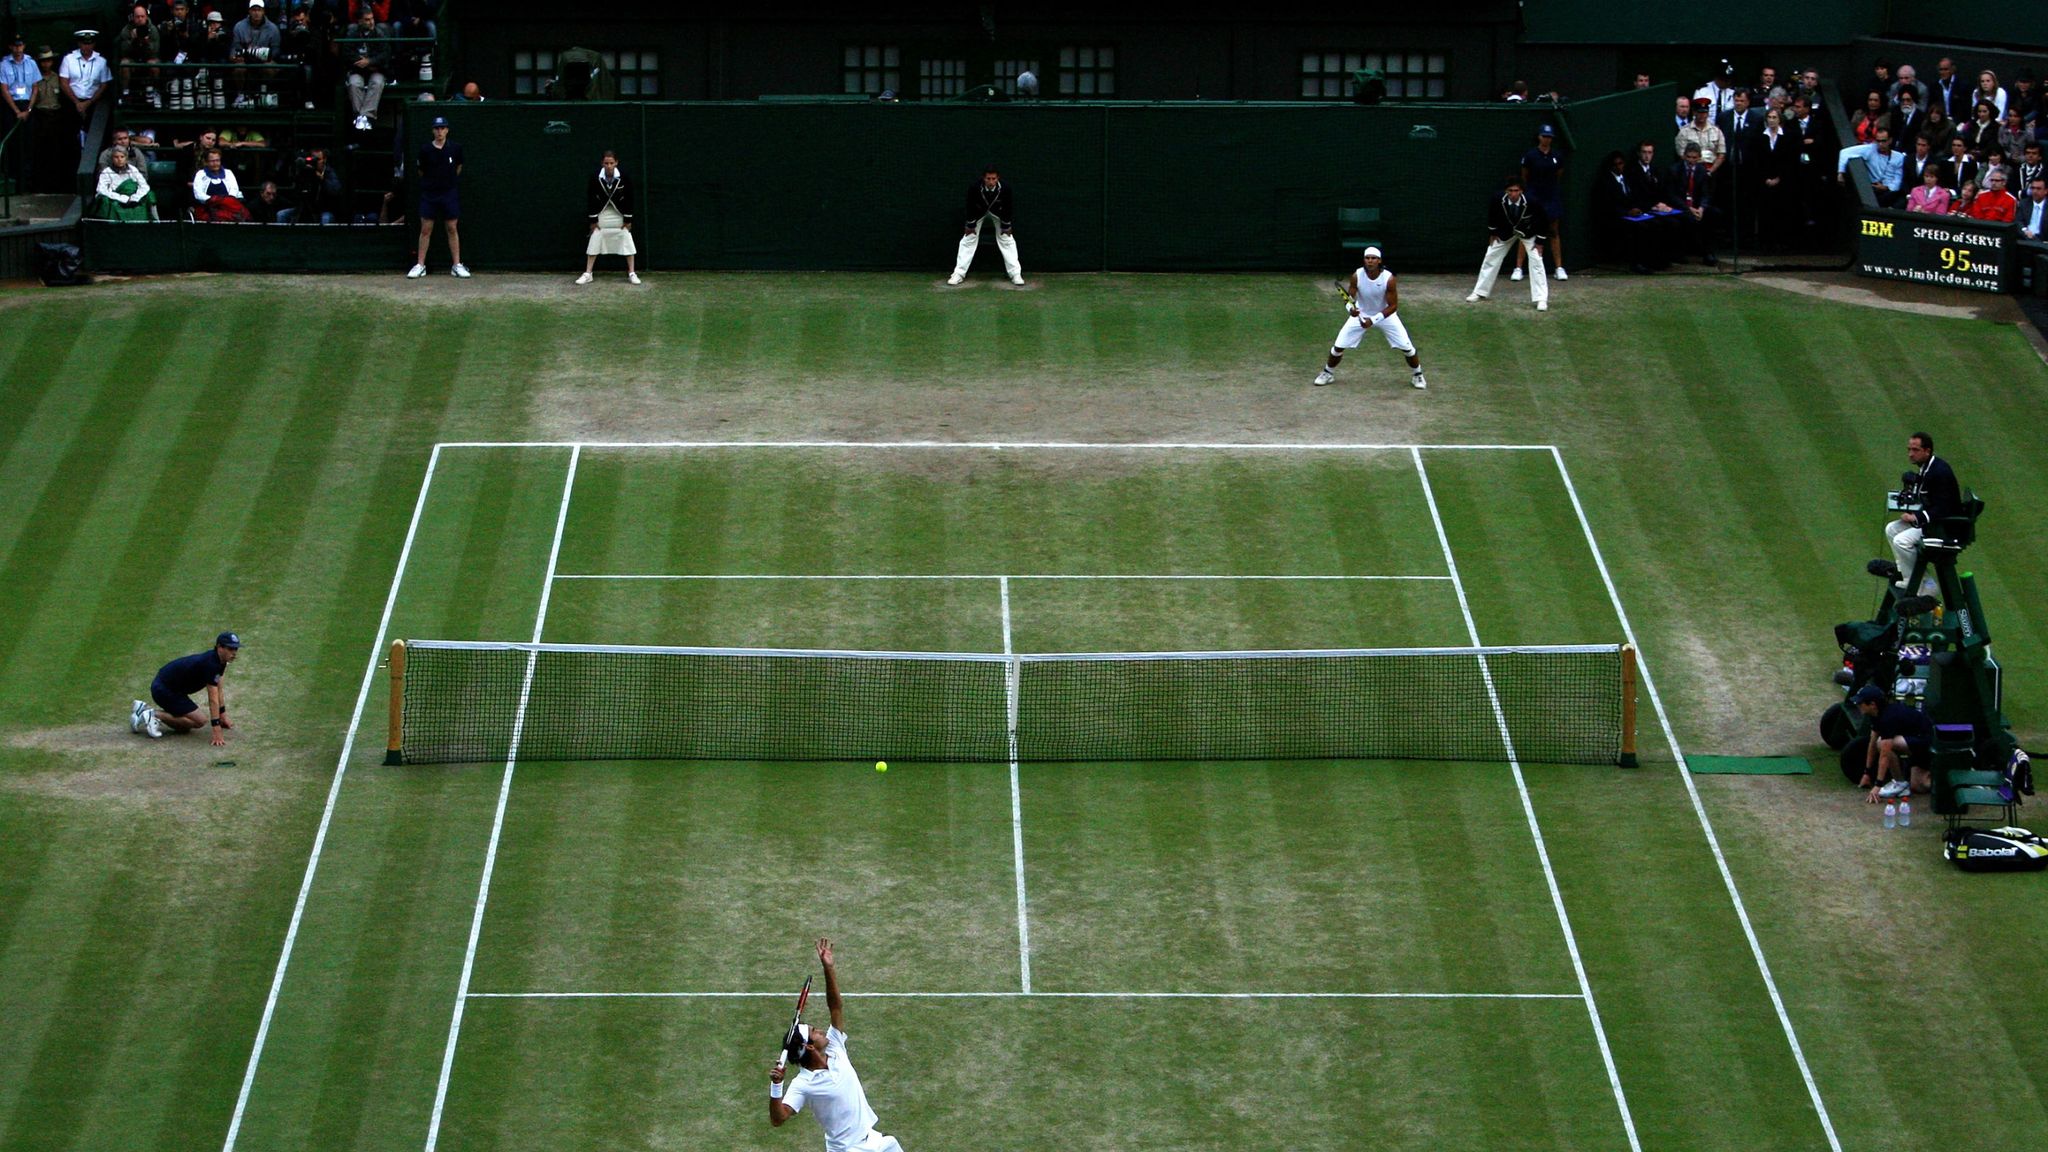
{"x":466,"y":701}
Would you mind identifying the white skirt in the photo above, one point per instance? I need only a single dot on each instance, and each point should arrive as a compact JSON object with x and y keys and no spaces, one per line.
{"x":611,"y":237}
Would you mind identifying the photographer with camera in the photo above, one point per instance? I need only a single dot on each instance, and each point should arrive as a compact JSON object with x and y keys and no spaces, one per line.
{"x":1927,"y":495}
{"x":315,"y":189}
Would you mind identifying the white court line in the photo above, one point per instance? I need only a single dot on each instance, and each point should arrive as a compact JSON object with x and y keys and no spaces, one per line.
{"x":1756,"y":947}
{"x":999,"y":445}
{"x":1010,"y":675}
{"x":348,"y":743}
{"x":1037,"y":996}
{"x":951,"y":576}
{"x":1571,"y":942}
{"x":483,"y":888}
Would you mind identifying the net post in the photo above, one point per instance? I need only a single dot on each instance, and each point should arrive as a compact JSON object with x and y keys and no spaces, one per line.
{"x":392,"y":755}
{"x":1628,"y":706}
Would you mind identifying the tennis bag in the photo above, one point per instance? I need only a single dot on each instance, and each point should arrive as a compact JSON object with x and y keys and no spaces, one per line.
{"x":1995,"y":850}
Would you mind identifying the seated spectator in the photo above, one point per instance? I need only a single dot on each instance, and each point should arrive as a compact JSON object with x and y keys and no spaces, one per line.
{"x":1938,"y":129}
{"x":179,"y":33}
{"x":1631,"y":221}
{"x":366,"y":53}
{"x":1982,"y":131}
{"x":1988,"y":92}
{"x":1906,"y":117}
{"x":1908,"y":81}
{"x":303,"y":50}
{"x":216,"y":194}
{"x":256,"y":40}
{"x":1930,"y":197}
{"x":1690,"y":189}
{"x":2033,"y":211}
{"x":2027,"y":96}
{"x":414,"y":20}
{"x":2013,"y":136}
{"x":122,"y":138}
{"x":379,"y":10}
{"x":1886,"y":166}
{"x":123,"y":192}
{"x":1898,"y":750}
{"x":1994,"y":161}
{"x":1950,"y":92}
{"x":137,"y":46}
{"x":215,"y":45}
{"x":2030,"y":166}
{"x":1879,"y":81}
{"x":1966,"y":196}
{"x":269,"y":207}
{"x":1994,"y":204}
{"x":1703,"y":134}
{"x":1867,"y":121}
{"x":1960,"y":167}
{"x":1922,"y":159}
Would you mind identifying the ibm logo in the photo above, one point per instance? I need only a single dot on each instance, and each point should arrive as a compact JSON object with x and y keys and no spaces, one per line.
{"x":1878,"y":228}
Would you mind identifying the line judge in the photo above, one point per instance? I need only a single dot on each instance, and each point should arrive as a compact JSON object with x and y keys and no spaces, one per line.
{"x":989,"y":199}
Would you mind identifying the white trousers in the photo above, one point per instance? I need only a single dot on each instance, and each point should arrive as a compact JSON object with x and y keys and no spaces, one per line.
{"x":1005,"y":243}
{"x":1905,"y":541}
{"x":1497,"y":251}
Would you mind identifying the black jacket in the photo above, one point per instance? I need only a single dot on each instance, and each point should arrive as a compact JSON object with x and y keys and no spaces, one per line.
{"x":1702,"y":188}
{"x":982,"y":201}
{"x":619,"y":196}
{"x":1506,"y":222}
{"x":1940,"y":496}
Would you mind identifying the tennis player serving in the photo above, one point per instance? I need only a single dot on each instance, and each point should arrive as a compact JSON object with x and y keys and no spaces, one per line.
{"x":825,"y":1079}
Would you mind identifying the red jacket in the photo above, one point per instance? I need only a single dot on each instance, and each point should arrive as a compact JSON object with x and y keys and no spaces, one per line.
{"x":381,"y":7}
{"x":1993,"y":205}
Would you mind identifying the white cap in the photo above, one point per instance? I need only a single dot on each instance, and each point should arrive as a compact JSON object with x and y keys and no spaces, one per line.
{"x":1370,"y":251}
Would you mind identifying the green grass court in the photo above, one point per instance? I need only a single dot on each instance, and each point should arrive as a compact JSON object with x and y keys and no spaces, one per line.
{"x":1313,"y":954}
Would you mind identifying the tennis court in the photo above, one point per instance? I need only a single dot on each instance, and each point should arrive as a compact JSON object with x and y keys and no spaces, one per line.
{"x":1146,"y":954}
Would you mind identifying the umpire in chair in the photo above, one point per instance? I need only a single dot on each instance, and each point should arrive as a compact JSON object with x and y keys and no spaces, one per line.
{"x":1929,"y":493}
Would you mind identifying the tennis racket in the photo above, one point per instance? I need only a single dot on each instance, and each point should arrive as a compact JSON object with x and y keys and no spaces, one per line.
{"x":802,"y":998}
{"x":1344,"y":290}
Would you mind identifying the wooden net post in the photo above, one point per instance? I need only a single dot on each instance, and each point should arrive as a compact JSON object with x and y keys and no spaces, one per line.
{"x":392,"y":755}
{"x":1628,"y":706}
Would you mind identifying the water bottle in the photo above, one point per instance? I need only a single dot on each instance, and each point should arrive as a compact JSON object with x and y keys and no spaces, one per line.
{"x":1905,"y":814}
{"x":1891,"y":815}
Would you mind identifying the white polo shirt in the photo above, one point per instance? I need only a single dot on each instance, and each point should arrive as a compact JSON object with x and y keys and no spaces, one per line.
{"x":85,"y":76}
{"x":835,"y":1097}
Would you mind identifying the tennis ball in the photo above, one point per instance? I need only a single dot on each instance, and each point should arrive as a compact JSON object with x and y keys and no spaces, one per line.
{"x":881,"y":765}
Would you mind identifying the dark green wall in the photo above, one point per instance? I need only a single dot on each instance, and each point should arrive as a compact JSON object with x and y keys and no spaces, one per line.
{"x":1122,"y":186}
{"x":1719,"y":23}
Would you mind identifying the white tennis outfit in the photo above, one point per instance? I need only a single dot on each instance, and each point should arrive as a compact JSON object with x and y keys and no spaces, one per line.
{"x":838,"y":1101}
{"x":1371,"y":298}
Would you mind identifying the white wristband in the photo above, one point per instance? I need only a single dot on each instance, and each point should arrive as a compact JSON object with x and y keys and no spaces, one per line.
{"x":774,"y":1091}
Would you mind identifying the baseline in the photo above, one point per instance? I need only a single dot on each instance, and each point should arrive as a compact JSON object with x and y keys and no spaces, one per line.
{"x":1529,"y":811}
{"x":999,"y":445}
{"x":1036,"y":995}
{"x":956,"y":576}
{"x":1699,"y":808}
{"x":348,"y":743}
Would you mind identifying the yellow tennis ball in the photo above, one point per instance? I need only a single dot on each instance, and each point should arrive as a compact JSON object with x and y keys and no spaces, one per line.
{"x":881,"y":765}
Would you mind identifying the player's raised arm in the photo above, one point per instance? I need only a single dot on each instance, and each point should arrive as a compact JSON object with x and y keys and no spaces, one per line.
{"x":832,"y":1002}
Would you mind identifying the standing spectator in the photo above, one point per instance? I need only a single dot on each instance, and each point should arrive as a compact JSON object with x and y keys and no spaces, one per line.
{"x":1951,"y":93}
{"x":1908,"y":81}
{"x":1681,"y":115}
{"x":138,"y":46}
{"x":18,"y":75}
{"x":1814,"y":141}
{"x":1703,"y":135}
{"x":1766,"y":83}
{"x":1513,"y":220}
{"x":1543,"y":180}
{"x":1906,"y":117}
{"x":610,"y":201}
{"x":86,"y":77}
{"x":1885,"y":166}
{"x":1988,"y":92}
{"x":1808,"y":86}
{"x":988,"y":199}
{"x":1994,"y":203}
{"x":256,"y":40}
{"x":367,"y":51}
{"x":1691,"y":191}
{"x":123,"y":191}
{"x":216,"y":194}
{"x":2013,"y":136}
{"x":53,"y":164}
{"x":1869,"y":119}
{"x":1779,"y":212}
{"x":1743,"y":127}
{"x":1930,"y":197}
{"x":2033,"y":211}
{"x":1960,"y":167}
{"x":1720,"y":97}
{"x":316,"y":190}
{"x":440,"y":195}
{"x":1982,"y":132}
{"x":1642,"y":80}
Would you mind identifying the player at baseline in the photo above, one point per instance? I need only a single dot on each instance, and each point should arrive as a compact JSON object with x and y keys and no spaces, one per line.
{"x":826,"y":1080}
{"x":1374,"y":299}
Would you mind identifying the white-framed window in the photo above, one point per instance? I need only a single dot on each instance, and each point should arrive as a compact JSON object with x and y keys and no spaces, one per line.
{"x":1007,"y":72}
{"x":941,"y":77}
{"x":1087,"y":70}
{"x":532,"y":68}
{"x":636,"y":72}
{"x":871,"y":69}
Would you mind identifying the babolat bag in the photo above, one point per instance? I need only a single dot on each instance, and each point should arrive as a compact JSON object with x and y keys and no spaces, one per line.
{"x":1995,"y":850}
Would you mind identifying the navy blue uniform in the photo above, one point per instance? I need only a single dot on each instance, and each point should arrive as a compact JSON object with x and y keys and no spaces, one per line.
{"x":439,"y":197}
{"x":176,"y":681}
{"x":1898,"y":719}
{"x":1542,"y":185}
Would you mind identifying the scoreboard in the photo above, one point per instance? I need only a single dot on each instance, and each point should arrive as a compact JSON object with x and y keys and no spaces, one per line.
{"x":1947,"y":250}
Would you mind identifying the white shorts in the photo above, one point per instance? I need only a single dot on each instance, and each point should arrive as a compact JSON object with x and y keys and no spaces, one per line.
{"x":1387,"y":326}
{"x":876,"y":1142}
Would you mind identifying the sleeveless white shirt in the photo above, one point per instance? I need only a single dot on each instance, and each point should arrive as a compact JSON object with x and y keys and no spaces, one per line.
{"x":1372,"y":293}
